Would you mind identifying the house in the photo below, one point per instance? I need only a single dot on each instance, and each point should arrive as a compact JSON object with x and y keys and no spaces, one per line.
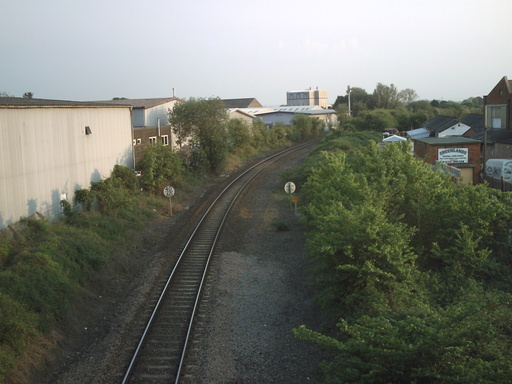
{"x":307,"y":97}
{"x":476,"y":123}
{"x":242,"y":103}
{"x":150,"y":122}
{"x":498,"y":105}
{"x":458,"y":152}
{"x":51,"y":148}
{"x":443,"y":126}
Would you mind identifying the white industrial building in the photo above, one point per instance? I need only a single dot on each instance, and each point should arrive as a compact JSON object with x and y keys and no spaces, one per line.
{"x":286,"y":114}
{"x":50,"y":148}
{"x":308,"y":97}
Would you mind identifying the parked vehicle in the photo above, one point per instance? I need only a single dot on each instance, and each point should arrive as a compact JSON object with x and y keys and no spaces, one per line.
{"x":499,"y":168}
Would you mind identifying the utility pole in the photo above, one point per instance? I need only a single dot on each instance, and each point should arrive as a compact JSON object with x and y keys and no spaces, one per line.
{"x":349,"y":90}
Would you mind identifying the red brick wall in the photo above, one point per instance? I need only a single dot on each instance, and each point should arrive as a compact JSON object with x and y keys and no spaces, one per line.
{"x":429,"y":153}
{"x":501,"y":95}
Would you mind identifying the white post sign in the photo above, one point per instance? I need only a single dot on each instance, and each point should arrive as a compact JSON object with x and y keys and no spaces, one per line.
{"x":289,"y":188}
{"x":169,"y":193}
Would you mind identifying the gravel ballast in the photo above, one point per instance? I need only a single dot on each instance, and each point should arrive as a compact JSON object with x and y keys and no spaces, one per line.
{"x":255,"y":294}
{"x":259,"y":293}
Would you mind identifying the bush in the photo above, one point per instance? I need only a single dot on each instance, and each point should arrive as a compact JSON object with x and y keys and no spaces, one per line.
{"x":84,"y":197}
{"x":404,"y":256}
{"x":160,"y":165}
{"x":125,"y":177}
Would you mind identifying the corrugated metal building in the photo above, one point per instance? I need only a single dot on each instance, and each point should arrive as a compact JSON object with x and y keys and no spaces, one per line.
{"x":50,"y":148}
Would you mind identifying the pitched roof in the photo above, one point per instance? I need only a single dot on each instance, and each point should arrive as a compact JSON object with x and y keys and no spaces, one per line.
{"x":242,"y":103}
{"x":141,"y":103}
{"x":21,"y":102}
{"x":440,"y":123}
{"x":474,"y":120}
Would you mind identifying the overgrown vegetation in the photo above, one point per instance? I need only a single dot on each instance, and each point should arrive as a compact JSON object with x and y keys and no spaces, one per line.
{"x":412,"y":271}
{"x":44,"y":266}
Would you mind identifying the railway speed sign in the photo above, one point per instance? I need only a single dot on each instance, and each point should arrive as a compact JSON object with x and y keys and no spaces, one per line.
{"x":289,"y":187}
{"x":168,"y":191}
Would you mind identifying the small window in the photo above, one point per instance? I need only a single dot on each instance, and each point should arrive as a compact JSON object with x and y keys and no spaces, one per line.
{"x":152,"y":140}
{"x":134,"y":141}
{"x":165,"y":140}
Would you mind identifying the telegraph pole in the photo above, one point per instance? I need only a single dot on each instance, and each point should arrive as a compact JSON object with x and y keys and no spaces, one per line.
{"x":349,"y":90}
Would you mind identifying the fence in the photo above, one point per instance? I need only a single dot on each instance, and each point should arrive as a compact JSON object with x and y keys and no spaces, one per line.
{"x":500,"y":184}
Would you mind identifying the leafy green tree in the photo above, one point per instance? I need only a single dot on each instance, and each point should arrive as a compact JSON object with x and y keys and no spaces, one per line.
{"x":160,"y":165}
{"x":386,"y":96}
{"x":306,"y":127}
{"x":203,"y":123}
{"x":407,"y":96}
{"x":279,"y":133}
{"x":360,"y":100}
{"x":261,"y":134}
{"x":239,"y":134}
{"x":375,"y":120}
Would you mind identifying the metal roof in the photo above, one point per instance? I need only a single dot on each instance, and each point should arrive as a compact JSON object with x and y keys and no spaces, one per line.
{"x":140,"y":103}
{"x":448,"y":140}
{"x":249,"y":102}
{"x":21,"y":102}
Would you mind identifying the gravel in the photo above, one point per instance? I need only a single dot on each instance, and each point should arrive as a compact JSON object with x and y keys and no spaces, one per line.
{"x":256,"y":293}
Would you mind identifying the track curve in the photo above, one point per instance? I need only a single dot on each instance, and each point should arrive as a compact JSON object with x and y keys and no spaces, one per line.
{"x":159,"y":354}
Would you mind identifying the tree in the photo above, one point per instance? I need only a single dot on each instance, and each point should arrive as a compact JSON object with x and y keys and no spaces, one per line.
{"x":5,"y":94}
{"x":239,"y":134}
{"x":407,"y":96}
{"x":375,"y":120}
{"x":160,"y":165}
{"x":203,"y":123}
{"x":28,"y":95}
{"x":385,"y":96}
{"x":359,"y":100}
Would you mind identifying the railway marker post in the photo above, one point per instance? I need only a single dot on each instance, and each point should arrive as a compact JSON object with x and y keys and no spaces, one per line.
{"x":289,"y":188}
{"x":169,"y":193}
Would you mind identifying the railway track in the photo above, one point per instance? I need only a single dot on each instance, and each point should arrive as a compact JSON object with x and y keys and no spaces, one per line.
{"x":160,"y":352}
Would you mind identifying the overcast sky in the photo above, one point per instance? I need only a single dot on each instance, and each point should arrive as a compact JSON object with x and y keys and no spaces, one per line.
{"x":100,"y":49}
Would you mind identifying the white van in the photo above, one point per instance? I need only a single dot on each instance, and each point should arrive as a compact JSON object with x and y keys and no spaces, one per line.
{"x":498,"y":168}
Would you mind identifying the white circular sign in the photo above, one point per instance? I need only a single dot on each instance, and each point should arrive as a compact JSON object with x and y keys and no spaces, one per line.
{"x":168,"y":191}
{"x":289,"y":187}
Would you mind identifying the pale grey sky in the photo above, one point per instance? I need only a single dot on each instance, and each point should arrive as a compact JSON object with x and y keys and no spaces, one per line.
{"x":100,"y":49}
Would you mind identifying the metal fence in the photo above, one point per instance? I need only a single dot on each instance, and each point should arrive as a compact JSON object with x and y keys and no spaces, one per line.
{"x":500,"y":184}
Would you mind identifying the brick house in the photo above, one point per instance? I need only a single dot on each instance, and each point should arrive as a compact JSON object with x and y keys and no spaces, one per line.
{"x":496,"y":138}
{"x":459,"y":152}
{"x":498,"y":105}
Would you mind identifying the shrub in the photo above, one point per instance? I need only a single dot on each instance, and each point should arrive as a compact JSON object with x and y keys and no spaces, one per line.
{"x":84,"y":197}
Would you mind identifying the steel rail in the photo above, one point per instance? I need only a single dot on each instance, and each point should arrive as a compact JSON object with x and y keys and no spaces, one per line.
{"x":266,"y":162}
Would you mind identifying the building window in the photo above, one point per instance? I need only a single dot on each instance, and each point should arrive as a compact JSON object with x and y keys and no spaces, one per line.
{"x":496,"y":116}
{"x":165,"y":140}
{"x":152,"y":140}
{"x":139,"y":141}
